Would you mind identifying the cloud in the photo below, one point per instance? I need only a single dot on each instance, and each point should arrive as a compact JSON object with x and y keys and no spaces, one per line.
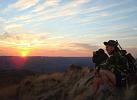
{"x":48,"y":10}
{"x":26,"y":19}
{"x":15,"y":28}
{"x":94,"y":19}
{"x":81,"y":2}
{"x":39,"y":43}
{"x":54,"y":12}
{"x":2,"y":19}
{"x":52,"y":9}
{"x":66,"y":49}
{"x":99,"y":9}
{"x":45,"y":5}
{"x":72,"y":7}
{"x":104,"y":6}
{"x":52,"y":2}
{"x":60,"y":52}
{"x":84,"y":46}
{"x":135,"y":28}
{"x":104,"y":14}
{"x":23,"y":4}
{"x":22,"y":40}
{"x":2,"y":23}
{"x":12,"y":26}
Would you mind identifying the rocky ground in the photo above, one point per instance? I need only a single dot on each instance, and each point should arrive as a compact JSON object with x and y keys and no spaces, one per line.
{"x":62,"y":86}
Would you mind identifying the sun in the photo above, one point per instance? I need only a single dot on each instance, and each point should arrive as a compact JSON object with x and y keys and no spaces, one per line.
{"x":24,"y":53}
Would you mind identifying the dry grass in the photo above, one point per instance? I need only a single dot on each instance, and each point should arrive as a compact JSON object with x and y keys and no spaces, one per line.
{"x":56,"y":76}
{"x":40,"y":87}
{"x":8,"y":92}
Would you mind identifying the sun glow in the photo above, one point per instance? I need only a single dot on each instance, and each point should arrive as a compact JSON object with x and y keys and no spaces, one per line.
{"x":24,"y":53}
{"x":24,"y":48}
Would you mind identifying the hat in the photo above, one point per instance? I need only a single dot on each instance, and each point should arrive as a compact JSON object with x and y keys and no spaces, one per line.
{"x":111,"y":43}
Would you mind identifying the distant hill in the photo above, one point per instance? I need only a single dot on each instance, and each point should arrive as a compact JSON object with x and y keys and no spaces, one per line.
{"x":42,"y":64}
{"x":13,"y":69}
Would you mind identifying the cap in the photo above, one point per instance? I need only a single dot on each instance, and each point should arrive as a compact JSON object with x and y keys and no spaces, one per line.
{"x":111,"y":43}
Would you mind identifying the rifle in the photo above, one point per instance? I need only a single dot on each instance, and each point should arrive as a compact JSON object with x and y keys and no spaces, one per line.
{"x":119,"y":45}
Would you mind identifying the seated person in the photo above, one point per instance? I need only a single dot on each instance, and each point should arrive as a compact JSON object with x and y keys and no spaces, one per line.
{"x":117,"y":63}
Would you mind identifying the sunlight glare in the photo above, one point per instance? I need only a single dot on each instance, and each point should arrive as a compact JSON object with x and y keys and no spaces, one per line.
{"x":24,"y":53}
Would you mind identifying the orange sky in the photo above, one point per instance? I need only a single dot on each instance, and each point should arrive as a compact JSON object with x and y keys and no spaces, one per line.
{"x":42,"y":45}
{"x":44,"y":52}
{"x":34,"y":45}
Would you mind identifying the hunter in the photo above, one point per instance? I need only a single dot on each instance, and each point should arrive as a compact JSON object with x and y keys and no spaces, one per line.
{"x":116,"y":62}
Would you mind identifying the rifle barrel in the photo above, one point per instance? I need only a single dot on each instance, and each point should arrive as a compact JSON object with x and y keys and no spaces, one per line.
{"x":119,"y":44}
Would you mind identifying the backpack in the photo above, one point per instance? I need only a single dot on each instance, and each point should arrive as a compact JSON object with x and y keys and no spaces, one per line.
{"x":131,"y":63}
{"x":130,"y":60}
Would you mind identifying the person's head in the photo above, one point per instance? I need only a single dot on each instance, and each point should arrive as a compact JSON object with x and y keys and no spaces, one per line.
{"x":110,"y":46}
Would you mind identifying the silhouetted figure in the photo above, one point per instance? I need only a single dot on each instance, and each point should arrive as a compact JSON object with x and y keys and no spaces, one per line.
{"x":99,"y":57}
{"x":117,"y":63}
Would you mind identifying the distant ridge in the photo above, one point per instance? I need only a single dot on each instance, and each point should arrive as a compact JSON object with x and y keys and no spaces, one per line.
{"x":42,"y":64}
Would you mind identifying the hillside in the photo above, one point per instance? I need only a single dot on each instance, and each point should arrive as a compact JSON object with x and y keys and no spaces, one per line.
{"x":67,"y":85}
{"x":11,"y":77}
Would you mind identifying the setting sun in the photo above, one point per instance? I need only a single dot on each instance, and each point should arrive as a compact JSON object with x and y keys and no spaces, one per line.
{"x":24,"y":50}
{"x":24,"y":53}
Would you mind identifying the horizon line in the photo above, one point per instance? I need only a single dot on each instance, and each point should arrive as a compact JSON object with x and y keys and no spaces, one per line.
{"x":43,"y":56}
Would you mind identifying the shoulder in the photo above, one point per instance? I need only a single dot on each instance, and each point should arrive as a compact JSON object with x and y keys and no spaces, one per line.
{"x":117,"y":55}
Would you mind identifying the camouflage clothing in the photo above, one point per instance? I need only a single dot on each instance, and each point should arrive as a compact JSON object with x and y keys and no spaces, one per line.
{"x":116,"y":62}
{"x":118,"y":65}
